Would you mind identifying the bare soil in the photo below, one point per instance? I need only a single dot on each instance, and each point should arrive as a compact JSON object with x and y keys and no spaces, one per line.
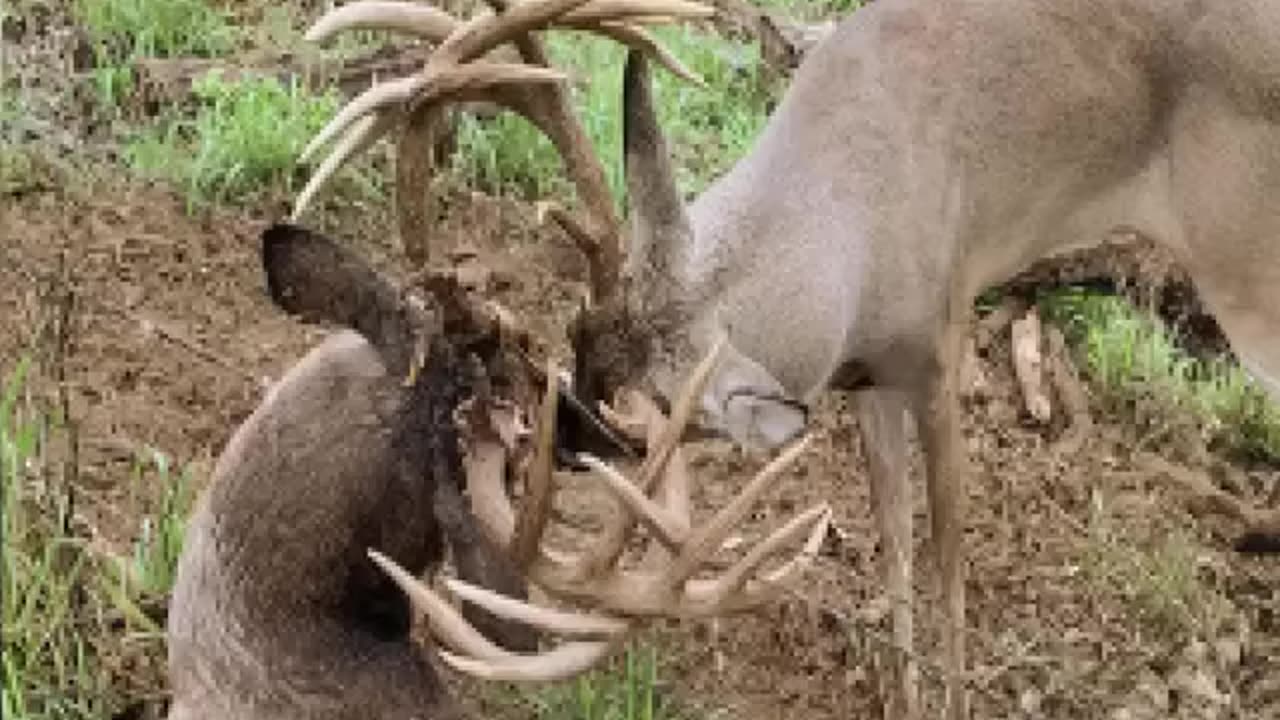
{"x":173,"y":342}
{"x":1094,"y":591}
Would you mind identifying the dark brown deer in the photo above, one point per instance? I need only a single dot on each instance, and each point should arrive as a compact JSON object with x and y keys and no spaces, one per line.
{"x":276,"y":611}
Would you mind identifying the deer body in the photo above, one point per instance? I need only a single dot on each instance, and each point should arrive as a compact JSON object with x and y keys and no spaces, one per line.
{"x":922,"y":153}
{"x":273,"y":580}
{"x":277,"y":610}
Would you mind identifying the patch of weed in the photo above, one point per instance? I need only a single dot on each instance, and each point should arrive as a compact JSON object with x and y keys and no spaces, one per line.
{"x":1130,"y":354}
{"x":123,"y":31}
{"x":48,"y":650}
{"x":707,"y":129}
{"x":245,"y":136}
{"x":74,"y":634}
{"x":627,"y":689}
{"x":128,"y":29}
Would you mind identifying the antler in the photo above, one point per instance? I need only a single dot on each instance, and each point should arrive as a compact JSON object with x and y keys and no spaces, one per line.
{"x":533,"y":90}
{"x":664,"y":584}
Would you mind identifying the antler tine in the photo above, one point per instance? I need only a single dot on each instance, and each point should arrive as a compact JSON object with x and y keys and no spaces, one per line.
{"x":563,"y":662}
{"x":662,"y":587}
{"x":425,"y":21}
{"x":706,"y":540}
{"x":727,"y":594}
{"x":658,"y":458}
{"x":489,"y":661}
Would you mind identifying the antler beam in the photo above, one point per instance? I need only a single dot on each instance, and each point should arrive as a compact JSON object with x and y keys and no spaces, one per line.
{"x":454,"y":73}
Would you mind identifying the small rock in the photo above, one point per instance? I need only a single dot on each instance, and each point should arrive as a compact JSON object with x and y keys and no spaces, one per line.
{"x":1030,"y":701}
{"x":1229,"y":651}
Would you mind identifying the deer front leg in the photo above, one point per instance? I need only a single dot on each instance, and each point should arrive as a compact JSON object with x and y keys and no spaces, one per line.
{"x":946,"y":467}
{"x":882,"y":423}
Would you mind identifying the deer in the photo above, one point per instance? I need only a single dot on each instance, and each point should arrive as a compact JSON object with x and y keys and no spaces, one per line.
{"x":295,"y":591}
{"x":300,"y":573}
{"x":920,"y":154}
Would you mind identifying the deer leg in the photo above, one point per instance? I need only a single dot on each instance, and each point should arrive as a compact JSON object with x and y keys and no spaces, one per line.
{"x":882,"y":423}
{"x":946,"y":467}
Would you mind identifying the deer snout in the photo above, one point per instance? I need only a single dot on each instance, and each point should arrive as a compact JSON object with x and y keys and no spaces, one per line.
{"x":764,"y":422}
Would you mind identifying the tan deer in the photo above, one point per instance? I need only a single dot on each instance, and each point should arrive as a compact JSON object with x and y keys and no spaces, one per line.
{"x":922,"y":152}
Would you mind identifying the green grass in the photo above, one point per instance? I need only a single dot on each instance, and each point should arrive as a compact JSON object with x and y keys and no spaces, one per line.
{"x":707,"y":130}
{"x":245,"y":137}
{"x":72,"y":628}
{"x":1131,"y":356}
{"x":123,"y":31}
{"x":627,"y":689}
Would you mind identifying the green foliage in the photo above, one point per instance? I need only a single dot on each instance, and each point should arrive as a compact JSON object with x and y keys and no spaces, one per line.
{"x":1130,"y":354}
{"x":707,"y":129}
{"x":46,"y":649}
{"x":69,"y":621}
{"x":124,"y":30}
{"x":630,"y":690}
{"x":245,"y":135}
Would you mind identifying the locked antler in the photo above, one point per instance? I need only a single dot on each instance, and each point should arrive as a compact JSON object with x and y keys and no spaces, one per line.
{"x":664,"y":585}
{"x":454,"y":73}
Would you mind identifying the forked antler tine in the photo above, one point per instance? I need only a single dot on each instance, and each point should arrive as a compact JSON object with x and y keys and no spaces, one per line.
{"x":639,"y":39}
{"x":532,"y":519}
{"x":429,"y":86}
{"x":482,"y":658}
{"x":360,"y":136}
{"x":717,"y":594}
{"x":448,"y":623}
{"x":606,"y":552}
{"x":486,"y":32}
{"x":565,"y":661}
{"x":682,"y":410}
{"x":378,"y":96}
{"x":425,"y":21}
{"x":548,"y":619}
{"x":598,"y":10}
{"x":708,"y":538}
{"x":670,"y":530}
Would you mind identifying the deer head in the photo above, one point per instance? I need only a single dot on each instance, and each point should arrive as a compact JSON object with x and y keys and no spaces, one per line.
{"x":453,"y":74}
{"x":618,"y":596}
{"x":649,"y":328}
{"x":367,"y":446}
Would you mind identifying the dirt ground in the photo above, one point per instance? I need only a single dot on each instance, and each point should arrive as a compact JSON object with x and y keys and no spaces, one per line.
{"x":1094,"y":592}
{"x":173,"y":340}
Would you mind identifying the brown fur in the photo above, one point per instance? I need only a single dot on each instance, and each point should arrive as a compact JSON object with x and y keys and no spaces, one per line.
{"x":277,"y":611}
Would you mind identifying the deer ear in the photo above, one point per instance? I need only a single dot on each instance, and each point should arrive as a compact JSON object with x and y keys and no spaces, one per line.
{"x":317,"y":279}
{"x":660,"y":225}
